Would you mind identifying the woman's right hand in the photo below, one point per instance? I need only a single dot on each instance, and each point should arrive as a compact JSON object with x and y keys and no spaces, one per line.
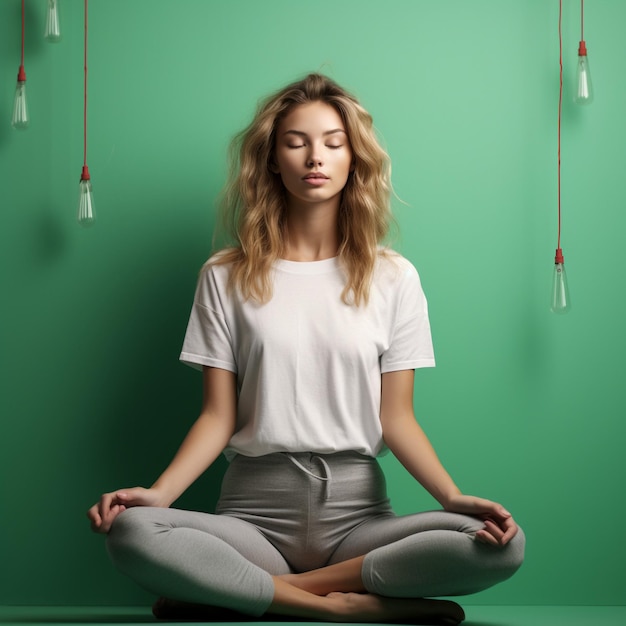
{"x":103,"y":513}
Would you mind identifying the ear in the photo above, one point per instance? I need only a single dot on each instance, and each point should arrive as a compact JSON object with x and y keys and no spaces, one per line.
{"x":272,"y":164}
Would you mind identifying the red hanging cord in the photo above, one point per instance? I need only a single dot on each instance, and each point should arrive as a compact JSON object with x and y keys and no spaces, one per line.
{"x":582,"y":20}
{"x":582,"y":47}
{"x":21,"y":74}
{"x":85,"y":173}
{"x":559,"y":253}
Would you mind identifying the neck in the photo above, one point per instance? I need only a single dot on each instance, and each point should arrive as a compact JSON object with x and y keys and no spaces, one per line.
{"x":311,"y":233}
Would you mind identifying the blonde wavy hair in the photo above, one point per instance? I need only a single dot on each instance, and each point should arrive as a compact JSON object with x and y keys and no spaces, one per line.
{"x":253,"y":204}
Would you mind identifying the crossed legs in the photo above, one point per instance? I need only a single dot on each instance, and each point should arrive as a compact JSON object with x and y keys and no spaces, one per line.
{"x":222,"y":561}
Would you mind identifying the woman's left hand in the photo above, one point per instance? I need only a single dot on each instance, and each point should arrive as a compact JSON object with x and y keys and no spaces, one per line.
{"x":499,"y":528}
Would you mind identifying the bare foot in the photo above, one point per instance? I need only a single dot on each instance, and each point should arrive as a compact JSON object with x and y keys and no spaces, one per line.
{"x":367,"y":607}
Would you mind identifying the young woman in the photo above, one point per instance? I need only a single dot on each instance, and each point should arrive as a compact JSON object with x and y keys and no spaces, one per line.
{"x":308,"y":332}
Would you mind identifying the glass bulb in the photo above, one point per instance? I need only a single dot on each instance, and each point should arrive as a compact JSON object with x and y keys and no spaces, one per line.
{"x":53,"y":26}
{"x":20,"y":109}
{"x":584,"y":88}
{"x":86,"y":208}
{"x":561,"y":302}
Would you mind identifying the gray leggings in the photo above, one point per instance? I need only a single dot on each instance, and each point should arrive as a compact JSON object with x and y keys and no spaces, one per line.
{"x":285,"y":513}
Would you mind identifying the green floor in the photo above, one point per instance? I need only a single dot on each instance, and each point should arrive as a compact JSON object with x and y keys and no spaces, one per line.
{"x":476,"y":616}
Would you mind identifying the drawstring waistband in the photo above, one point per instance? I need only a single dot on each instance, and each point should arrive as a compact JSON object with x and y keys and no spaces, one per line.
{"x":327,"y":479}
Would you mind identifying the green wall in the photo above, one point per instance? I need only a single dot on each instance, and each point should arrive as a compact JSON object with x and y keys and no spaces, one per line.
{"x":525,"y":407}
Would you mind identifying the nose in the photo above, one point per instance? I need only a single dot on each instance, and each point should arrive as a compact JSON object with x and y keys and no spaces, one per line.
{"x":313,"y":159}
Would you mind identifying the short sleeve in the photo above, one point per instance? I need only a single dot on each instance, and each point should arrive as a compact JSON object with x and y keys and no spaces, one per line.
{"x":208,"y":339}
{"x":411,"y":345}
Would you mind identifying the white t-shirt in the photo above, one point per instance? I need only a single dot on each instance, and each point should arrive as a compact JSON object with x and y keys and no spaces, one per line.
{"x":309,"y":366}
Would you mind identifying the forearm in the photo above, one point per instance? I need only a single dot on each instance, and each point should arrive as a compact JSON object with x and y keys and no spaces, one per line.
{"x":408,"y":442}
{"x":204,"y":442}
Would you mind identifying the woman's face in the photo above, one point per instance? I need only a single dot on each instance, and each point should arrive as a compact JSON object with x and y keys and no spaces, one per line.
{"x":313,"y":154}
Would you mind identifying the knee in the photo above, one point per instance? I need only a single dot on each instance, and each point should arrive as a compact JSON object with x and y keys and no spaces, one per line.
{"x":128,"y":525}
{"x":513,"y":555}
{"x":129,"y":535}
{"x":518,"y":544}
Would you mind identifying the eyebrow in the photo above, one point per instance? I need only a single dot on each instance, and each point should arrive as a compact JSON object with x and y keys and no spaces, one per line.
{"x":302,"y":134}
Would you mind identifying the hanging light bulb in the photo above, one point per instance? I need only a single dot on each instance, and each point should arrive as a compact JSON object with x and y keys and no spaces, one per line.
{"x":20,"y":108}
{"x":86,"y":208}
{"x":584,"y":88}
{"x":560,"y":292}
{"x":53,"y":25}
{"x":561,"y":302}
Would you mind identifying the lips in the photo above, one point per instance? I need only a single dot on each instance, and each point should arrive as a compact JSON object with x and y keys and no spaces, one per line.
{"x":315,"y":176}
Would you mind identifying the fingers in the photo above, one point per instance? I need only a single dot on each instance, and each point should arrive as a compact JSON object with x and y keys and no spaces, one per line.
{"x":510,"y":530}
{"x":94,"y":518}
{"x":484,"y":537}
{"x":108,"y":511}
{"x":103,"y":513}
{"x":500,"y":527}
{"x":491,"y":534}
{"x":497,"y":534}
{"x":503,"y":528}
